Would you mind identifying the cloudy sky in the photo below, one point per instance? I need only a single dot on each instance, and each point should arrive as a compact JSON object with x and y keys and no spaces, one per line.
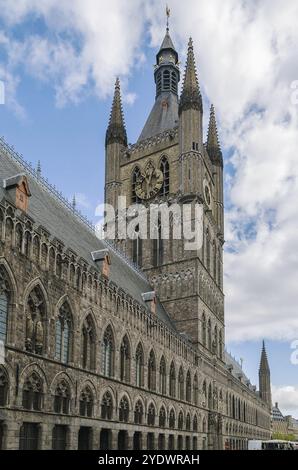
{"x":59,"y":60}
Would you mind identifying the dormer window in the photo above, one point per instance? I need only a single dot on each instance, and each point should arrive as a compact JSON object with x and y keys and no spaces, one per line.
{"x":18,"y":188}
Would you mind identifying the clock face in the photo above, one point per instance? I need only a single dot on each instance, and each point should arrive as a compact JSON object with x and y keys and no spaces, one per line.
{"x":149,"y":182}
{"x":207,"y":193}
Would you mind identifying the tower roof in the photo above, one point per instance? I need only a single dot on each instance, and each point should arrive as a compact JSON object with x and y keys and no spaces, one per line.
{"x":116,"y":131}
{"x":264,"y":365}
{"x":213,"y":145}
{"x":191,"y":95}
{"x":167,"y":43}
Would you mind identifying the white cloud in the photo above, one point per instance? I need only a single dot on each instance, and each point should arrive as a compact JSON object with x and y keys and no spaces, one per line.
{"x":247,"y":59}
{"x":82,"y":200}
{"x":287,"y":398}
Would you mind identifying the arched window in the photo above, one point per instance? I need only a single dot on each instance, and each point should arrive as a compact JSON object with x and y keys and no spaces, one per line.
{"x":107,"y":406}
{"x":157,"y":249}
{"x":172,"y":419}
{"x":204,"y":425}
{"x":36,"y":322}
{"x":137,"y":247}
{"x":33,"y":393}
{"x":19,"y":238}
{"x":208,"y":258}
{"x":124,"y":410}
{"x":151,"y":415}
{"x":135,"y":176}
{"x":220,"y":344}
{"x":172,"y":381}
{"x":215,"y":342}
{"x":63,"y":333}
{"x":187,"y":424}
{"x":62,"y":398}
{"x":162,"y":376}
{"x":210,"y":398}
{"x":180,"y":421}
{"x":181,"y":384}
{"x":209,"y":335}
{"x":125,"y":360}
{"x":195,"y":423}
{"x":36,"y":248}
{"x":195,"y":390}
{"x":8,"y":230}
{"x":204,"y":392}
{"x":139,"y":412}
{"x":152,"y":371}
{"x":88,"y":344}
{"x":204,"y":329}
{"x":139,"y":366}
{"x":108,"y":353}
{"x":86,"y":402}
{"x":4,"y":303}
{"x":188,"y":387}
{"x":165,"y":169}
{"x":3,"y":386}
{"x":162,"y":417}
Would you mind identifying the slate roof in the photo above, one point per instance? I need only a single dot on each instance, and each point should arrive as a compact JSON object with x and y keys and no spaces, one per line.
{"x":163,"y":116}
{"x":237,"y":371}
{"x":63,"y":223}
{"x":167,"y":43}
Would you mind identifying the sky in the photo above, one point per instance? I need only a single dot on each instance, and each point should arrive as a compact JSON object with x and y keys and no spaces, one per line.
{"x":58,"y":63}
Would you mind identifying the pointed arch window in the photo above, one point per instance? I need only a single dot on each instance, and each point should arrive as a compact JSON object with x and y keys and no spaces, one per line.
{"x":62,"y":398}
{"x":181,"y":384}
{"x":162,"y":417}
{"x":195,"y":390}
{"x":36,"y":322}
{"x":125,"y":360}
{"x":209,"y":335}
{"x":108,"y":348}
{"x":151,"y":415}
{"x":88,"y":344}
{"x":124,"y":410}
{"x":19,"y":238}
{"x":208,"y":254}
{"x":215,"y":341}
{"x":139,"y":412}
{"x":137,"y":247}
{"x":172,"y":419}
{"x":162,"y":376}
{"x":152,"y":372}
{"x":107,"y":406}
{"x":135,"y":176}
{"x":172,"y":381}
{"x":180,"y":421}
{"x":220,"y":344}
{"x":165,"y":169}
{"x":139,"y":366}
{"x":187,"y":424}
{"x":86,"y":402}
{"x":195,"y":423}
{"x":3,"y":386}
{"x":63,"y":333}
{"x":157,"y":252}
{"x":188,"y":387}
{"x":33,"y":393}
{"x":204,"y":329}
{"x":210,"y":398}
{"x":4,"y":303}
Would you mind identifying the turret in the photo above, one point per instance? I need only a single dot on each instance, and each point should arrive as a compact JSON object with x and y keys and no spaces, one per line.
{"x":116,"y":140}
{"x":264,"y":378}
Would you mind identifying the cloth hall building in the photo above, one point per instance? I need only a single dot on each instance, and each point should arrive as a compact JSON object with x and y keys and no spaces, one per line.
{"x":122,"y":345}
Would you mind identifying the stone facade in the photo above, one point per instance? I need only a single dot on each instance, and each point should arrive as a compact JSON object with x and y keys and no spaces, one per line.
{"x":88,"y":364}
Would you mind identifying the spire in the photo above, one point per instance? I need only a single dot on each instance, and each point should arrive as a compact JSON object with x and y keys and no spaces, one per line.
{"x":191,"y":95}
{"x":264,"y":378}
{"x":264,"y":366}
{"x":213,"y":145}
{"x":116,"y":131}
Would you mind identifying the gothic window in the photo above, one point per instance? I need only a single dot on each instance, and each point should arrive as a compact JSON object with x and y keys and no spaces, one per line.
{"x":124,"y":410}
{"x":4,"y":303}
{"x":210,"y":398}
{"x":59,"y":437}
{"x":152,"y":372}
{"x":188,"y":387}
{"x":139,"y":366}
{"x":208,"y":257}
{"x":59,"y":266}
{"x":137,"y":247}
{"x":187,"y":424}
{"x":125,"y":360}
{"x":195,"y":390}
{"x":220,"y":344}
{"x":29,"y":436}
{"x":63,"y":333}
{"x":180,"y":421}
{"x":35,"y":322}
{"x":19,"y":238}
{"x":204,"y":329}
{"x":195,"y":423}
{"x":44,"y":255}
{"x":88,"y":344}
{"x":52,"y":259}
{"x":8,"y":230}
{"x":86,"y":402}
{"x":174,"y":82}
{"x":172,"y":419}
{"x":165,"y":169}
{"x":157,"y":252}
{"x":204,"y":425}
{"x":209,"y":335}
{"x":204,"y":391}
{"x":138,"y":416}
{"x":162,"y":376}
{"x":151,"y":415}
{"x":135,"y":176}
{"x":62,"y":398}
{"x":3,"y":387}
{"x":181,"y":384}
{"x":27,"y":243}
{"x":172,"y":381}
{"x":162,"y":417}
{"x":108,"y":348}
{"x":107,"y":406}
{"x":36,"y":248}
{"x":166,"y":80}
{"x":215,"y":341}
{"x":32,"y":393}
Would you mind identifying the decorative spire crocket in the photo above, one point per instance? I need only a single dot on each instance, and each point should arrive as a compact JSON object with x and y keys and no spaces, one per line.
{"x":116,"y":131}
{"x":191,"y":97}
{"x":213,"y":145}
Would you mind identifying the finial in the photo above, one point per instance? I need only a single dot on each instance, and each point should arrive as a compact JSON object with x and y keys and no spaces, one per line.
{"x":190,"y":43}
{"x":38,"y":169}
{"x":74,"y":202}
{"x":168,"y":12}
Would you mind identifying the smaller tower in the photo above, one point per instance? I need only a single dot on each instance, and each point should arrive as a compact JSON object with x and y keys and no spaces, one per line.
{"x":116,"y":140}
{"x":264,"y":378}
{"x":215,"y":154}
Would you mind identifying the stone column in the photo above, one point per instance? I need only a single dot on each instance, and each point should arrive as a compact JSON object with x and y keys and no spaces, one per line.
{"x":130,"y":435}
{"x":114,"y":439}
